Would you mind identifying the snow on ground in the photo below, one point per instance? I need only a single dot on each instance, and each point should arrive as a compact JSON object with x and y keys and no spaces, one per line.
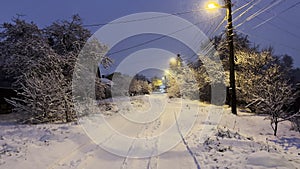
{"x":243,"y":141}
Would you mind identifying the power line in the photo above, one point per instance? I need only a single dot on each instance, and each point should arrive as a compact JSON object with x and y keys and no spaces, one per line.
{"x":244,"y":12}
{"x":155,"y":39}
{"x":161,"y":37}
{"x":289,"y":8}
{"x":209,"y":46}
{"x":282,"y":19}
{"x":277,"y":15}
{"x":158,"y":38}
{"x":281,"y":44}
{"x":211,"y":33}
{"x":279,"y":28}
{"x":143,"y":19}
{"x":270,"y":23}
{"x":242,"y":7}
{"x":257,"y":13}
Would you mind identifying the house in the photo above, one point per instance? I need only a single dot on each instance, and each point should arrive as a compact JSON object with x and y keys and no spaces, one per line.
{"x":108,"y":86}
{"x":103,"y":89}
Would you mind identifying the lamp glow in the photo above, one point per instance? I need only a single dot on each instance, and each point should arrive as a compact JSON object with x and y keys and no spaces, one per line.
{"x":213,"y":5}
{"x":173,"y":61}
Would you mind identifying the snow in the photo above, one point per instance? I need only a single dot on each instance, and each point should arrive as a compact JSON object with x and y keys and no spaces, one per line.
{"x":243,"y":141}
{"x":268,"y":160}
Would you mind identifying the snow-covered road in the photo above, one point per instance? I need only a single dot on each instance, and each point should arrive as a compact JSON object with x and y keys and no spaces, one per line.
{"x":143,"y":137}
{"x":142,"y":133}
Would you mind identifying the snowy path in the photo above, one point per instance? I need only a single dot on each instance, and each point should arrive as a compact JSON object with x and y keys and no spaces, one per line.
{"x":151,"y":132}
{"x":92,"y":156}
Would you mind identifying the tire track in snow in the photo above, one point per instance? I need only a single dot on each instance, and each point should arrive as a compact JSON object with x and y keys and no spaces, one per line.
{"x":84,"y":156}
{"x":149,"y":162}
{"x":148,"y":132}
{"x":186,"y":144}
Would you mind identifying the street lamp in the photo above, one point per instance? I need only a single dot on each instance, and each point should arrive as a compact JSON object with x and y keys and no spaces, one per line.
{"x":232,"y":88}
{"x":213,"y":5}
{"x":173,"y":61}
{"x":176,"y":61}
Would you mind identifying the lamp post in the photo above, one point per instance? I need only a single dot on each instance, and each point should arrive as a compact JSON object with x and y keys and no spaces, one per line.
{"x":232,"y":88}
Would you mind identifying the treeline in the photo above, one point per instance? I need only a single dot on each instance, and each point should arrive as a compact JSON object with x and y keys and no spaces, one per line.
{"x":41,"y":63}
{"x":125,"y":85}
{"x":266,"y":83}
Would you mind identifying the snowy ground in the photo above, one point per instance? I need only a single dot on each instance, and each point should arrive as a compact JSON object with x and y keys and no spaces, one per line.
{"x":243,"y":141}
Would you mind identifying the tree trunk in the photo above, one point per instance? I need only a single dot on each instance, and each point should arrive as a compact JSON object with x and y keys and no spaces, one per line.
{"x":67,"y":111}
{"x":275,"y":127}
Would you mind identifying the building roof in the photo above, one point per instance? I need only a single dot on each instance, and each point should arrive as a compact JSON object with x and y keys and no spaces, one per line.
{"x":107,"y":81}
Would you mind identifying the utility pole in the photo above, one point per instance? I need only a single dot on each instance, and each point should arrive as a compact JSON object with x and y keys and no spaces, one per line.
{"x":232,"y":88}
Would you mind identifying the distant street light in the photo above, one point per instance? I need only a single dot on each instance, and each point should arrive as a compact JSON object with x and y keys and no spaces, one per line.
{"x":232,"y":89}
{"x":173,"y":61}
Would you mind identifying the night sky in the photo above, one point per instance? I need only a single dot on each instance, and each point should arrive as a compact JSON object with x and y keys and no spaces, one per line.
{"x":276,"y":24}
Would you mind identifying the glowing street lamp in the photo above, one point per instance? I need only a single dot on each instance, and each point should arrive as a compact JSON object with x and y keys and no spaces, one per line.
{"x":213,"y":5}
{"x":232,"y":89}
{"x":173,"y":61}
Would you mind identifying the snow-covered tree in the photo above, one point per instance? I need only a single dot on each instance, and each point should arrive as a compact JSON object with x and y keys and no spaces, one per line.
{"x":251,"y":67}
{"x":262,"y":85}
{"x":42,"y":71}
{"x":135,"y":87}
{"x":87,"y":70}
{"x":66,"y":36}
{"x":181,"y":81}
{"x":208,"y":73}
{"x":274,"y":96}
{"x":139,"y":85}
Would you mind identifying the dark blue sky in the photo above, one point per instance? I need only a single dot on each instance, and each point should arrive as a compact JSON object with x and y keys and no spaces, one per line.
{"x":282,"y":31}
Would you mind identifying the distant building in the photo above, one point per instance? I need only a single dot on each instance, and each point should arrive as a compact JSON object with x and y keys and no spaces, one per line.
{"x":108,"y":85}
